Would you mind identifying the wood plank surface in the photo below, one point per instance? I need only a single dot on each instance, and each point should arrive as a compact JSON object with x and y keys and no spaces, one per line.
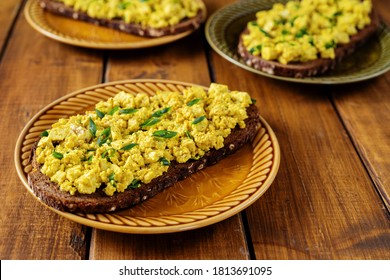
{"x":322,"y":204}
{"x":181,"y":61}
{"x":331,"y":196}
{"x":8,"y":11}
{"x":367,"y":117}
{"x":35,"y":71}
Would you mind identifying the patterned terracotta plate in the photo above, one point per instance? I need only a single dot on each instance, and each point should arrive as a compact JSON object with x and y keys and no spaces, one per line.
{"x":225,"y":25}
{"x":204,"y":198}
{"x":88,"y":35}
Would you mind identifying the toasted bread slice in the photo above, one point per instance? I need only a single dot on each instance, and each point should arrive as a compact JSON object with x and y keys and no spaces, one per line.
{"x":98,"y":202}
{"x":186,"y":24}
{"x":314,"y":67}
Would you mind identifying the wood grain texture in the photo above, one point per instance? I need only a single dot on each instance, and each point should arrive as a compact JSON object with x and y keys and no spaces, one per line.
{"x":8,"y":11}
{"x":35,"y":71}
{"x":322,"y":204}
{"x":366,"y":117}
{"x":328,"y":200}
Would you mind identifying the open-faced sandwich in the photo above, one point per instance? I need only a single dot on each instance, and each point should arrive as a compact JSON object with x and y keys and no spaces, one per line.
{"x":306,"y":38}
{"x":147,"y":18}
{"x":131,"y":147}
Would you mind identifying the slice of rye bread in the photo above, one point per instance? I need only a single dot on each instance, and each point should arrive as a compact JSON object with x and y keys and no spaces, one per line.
{"x":186,"y":24}
{"x":314,"y":67}
{"x":98,"y":202}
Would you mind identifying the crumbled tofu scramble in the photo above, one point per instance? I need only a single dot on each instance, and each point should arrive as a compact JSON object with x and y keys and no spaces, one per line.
{"x":148,"y":13}
{"x":130,"y":139}
{"x":305,"y":30}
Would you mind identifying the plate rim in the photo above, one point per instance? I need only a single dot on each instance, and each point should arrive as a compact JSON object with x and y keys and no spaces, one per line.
{"x":83,"y":42}
{"x":212,"y":219}
{"x":309,"y":80}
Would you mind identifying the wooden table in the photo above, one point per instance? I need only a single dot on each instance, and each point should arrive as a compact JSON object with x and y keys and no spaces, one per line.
{"x":330,"y":199}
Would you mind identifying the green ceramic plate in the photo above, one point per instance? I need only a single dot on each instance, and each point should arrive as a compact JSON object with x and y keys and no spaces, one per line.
{"x":225,"y":25}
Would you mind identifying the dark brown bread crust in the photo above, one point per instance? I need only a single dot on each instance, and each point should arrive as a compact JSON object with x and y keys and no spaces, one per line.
{"x":314,"y":67}
{"x":99,"y":202}
{"x":132,"y":28}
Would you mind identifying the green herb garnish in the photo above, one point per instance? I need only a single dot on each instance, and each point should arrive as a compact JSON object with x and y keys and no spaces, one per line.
{"x":128,"y":111}
{"x":189,"y":134}
{"x":255,"y":49}
{"x":108,"y":153}
{"x":330,"y":45}
{"x":129,"y":146}
{"x":164,"y":133}
{"x":301,"y":33}
{"x":113,"y":110}
{"x":134,"y":184}
{"x":198,"y":120}
{"x":265,"y":33}
{"x":92,"y":127}
{"x":193,"y":102}
{"x":57,"y":155}
{"x":104,"y":136}
{"x":338,"y":13}
{"x":44,"y":133}
{"x":292,"y":21}
{"x":111,"y":177}
{"x":164,"y":161}
{"x":253,"y":101}
{"x":150,"y":122}
{"x":161,"y":112}
{"x":99,"y":113}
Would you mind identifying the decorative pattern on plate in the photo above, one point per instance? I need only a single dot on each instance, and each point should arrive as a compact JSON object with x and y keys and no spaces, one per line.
{"x":224,"y":27}
{"x":82,"y":34}
{"x":202,"y":199}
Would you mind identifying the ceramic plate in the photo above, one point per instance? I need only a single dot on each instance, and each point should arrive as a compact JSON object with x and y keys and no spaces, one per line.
{"x":83,"y":34}
{"x":224,"y":26}
{"x":202,"y":199}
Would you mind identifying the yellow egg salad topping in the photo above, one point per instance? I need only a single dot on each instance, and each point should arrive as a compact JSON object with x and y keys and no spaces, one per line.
{"x":148,"y":13}
{"x":305,"y":30}
{"x":130,"y":139}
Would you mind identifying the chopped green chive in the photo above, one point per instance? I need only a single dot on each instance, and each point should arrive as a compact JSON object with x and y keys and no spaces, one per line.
{"x":111,"y":177}
{"x":44,"y":133}
{"x":150,"y":122}
{"x":108,"y":153}
{"x":198,"y":120}
{"x":301,"y":33}
{"x":100,"y":114}
{"x":57,"y":155}
{"x":189,"y":134}
{"x":161,"y":112}
{"x":338,"y":13}
{"x":265,"y":33}
{"x":92,"y":127}
{"x":128,"y":111}
{"x":129,"y":146}
{"x":164,"y":133}
{"x":134,"y":184}
{"x":193,"y":102}
{"x":330,"y":45}
{"x":104,"y":136}
{"x":164,"y":161}
{"x":113,"y":110}
{"x":255,"y":49}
